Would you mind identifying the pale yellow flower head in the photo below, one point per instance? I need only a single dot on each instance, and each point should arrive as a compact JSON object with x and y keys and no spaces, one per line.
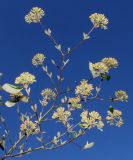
{"x":121,"y":96}
{"x":95,"y":115}
{"x":38,"y":59}
{"x":25,"y":78}
{"x":61,"y":115}
{"x":84,"y":116}
{"x":74,"y":102}
{"x":114,"y":118}
{"x":99,"y":20}
{"x":110,"y":62}
{"x":35,"y":15}
{"x":84,"y":88}
{"x":28,"y":127}
{"x":98,"y":68}
{"x":48,"y":94}
{"x":91,"y":120}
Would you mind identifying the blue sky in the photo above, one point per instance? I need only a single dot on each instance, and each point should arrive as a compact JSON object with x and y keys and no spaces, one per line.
{"x":68,"y":20}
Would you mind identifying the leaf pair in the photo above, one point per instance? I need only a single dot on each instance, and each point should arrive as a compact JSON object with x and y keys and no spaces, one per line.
{"x":15,"y":94}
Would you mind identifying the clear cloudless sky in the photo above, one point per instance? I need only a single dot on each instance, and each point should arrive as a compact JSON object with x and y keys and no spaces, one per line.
{"x":68,"y":19}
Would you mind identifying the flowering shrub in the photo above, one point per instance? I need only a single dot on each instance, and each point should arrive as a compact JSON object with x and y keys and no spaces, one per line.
{"x":56,"y":104}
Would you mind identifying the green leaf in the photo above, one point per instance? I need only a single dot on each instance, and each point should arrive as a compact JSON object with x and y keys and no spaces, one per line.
{"x":15,"y":87}
{"x":111,"y":109}
{"x":74,"y":134}
{"x":105,"y":77}
{"x":81,"y":125}
{"x":11,"y":88}
{"x":112,"y":99}
{"x":108,"y":77}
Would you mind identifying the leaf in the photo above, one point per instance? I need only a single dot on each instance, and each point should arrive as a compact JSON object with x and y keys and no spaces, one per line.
{"x":28,"y":90}
{"x":98,"y":89}
{"x":111,"y":109}
{"x":106,"y":77}
{"x":58,"y":47}
{"x":68,"y":49}
{"x":88,"y":145}
{"x":34,"y":108}
{"x":20,"y":135}
{"x":29,"y":150}
{"x":10,"y":104}
{"x":58,"y":134}
{"x":81,"y":125}
{"x":1,"y":74}
{"x":75,"y":134}
{"x":80,"y":132}
{"x":85,"y":36}
{"x":62,"y":142}
{"x":58,"y":77}
{"x":39,"y":139}
{"x":93,"y":72}
{"x":25,"y":99}
{"x":50,"y":74}
{"x":65,"y":62}
{"x":45,"y":68}
{"x":53,"y":62}
{"x":11,"y":88}
{"x":2,"y":145}
{"x":48,"y":32}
